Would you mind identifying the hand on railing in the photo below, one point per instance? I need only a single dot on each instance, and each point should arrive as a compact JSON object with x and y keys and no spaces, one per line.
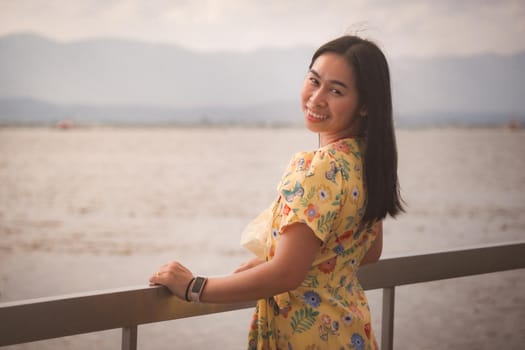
{"x":175,"y":276}
{"x":249,"y":264}
{"x":374,"y":252}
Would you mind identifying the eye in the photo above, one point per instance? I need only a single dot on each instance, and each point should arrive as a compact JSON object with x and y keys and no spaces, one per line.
{"x":313,"y":81}
{"x":336,"y":91}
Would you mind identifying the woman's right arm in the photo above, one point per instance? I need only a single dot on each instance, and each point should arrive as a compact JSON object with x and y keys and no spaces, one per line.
{"x":293,"y":257}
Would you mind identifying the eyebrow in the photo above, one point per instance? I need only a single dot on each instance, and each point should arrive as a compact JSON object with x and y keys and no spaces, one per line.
{"x":337,"y":82}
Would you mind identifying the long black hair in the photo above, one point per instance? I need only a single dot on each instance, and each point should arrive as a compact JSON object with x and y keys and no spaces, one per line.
{"x":372,"y":76}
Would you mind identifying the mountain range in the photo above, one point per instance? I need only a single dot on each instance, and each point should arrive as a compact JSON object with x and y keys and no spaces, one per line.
{"x":103,"y":81}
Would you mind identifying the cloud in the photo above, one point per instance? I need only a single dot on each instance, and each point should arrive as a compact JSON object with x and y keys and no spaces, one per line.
{"x":463,"y":28}
{"x":404,"y":27}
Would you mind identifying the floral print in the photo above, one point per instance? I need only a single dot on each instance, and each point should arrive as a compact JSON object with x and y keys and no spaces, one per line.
{"x":357,"y":341}
{"x":355,"y":194}
{"x":347,"y":319}
{"x":324,"y":190}
{"x":324,"y":193}
{"x":312,"y":298}
{"x":328,"y":265}
{"x":312,"y":212}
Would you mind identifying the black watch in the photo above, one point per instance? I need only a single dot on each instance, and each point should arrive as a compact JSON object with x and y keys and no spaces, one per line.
{"x":197,"y":288}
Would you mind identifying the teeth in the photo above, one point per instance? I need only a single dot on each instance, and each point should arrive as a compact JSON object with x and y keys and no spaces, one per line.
{"x":317,"y":116}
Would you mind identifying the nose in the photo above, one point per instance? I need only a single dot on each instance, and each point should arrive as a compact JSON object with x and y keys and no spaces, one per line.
{"x":317,"y":98}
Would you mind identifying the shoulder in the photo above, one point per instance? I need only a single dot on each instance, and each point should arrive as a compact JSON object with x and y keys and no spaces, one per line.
{"x":332,"y":163}
{"x":341,"y":155}
{"x":315,"y":186}
{"x":344,"y":148}
{"x":347,"y":155}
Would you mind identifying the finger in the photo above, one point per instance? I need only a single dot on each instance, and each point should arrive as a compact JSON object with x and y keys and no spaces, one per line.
{"x":157,"y":276}
{"x":241,"y":268}
{"x":153,"y":280}
{"x":162,"y":281}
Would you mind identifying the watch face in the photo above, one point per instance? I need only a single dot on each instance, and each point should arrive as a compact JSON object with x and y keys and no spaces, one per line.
{"x":199,"y":281}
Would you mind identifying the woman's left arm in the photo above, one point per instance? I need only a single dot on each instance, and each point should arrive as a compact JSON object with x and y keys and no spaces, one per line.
{"x":374,"y":253}
{"x":249,"y":264}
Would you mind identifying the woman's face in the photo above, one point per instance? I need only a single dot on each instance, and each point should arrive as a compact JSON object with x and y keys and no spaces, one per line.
{"x":330,"y":100}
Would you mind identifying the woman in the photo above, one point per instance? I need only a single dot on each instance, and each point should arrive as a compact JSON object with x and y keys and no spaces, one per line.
{"x":327,"y":219}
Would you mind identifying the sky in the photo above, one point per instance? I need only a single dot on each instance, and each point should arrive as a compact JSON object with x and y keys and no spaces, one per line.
{"x":402,"y":27}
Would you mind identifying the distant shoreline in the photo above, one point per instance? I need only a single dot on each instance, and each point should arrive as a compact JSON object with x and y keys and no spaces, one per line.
{"x":94,"y":127}
{"x":152,"y":126}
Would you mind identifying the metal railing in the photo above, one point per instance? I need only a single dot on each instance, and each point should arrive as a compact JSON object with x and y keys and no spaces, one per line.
{"x":46,"y":318}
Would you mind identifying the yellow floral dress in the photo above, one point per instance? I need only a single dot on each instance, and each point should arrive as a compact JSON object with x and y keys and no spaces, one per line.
{"x":323,"y":189}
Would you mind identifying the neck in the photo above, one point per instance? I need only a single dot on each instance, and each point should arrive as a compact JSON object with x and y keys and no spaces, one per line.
{"x":356,"y":130}
{"x":326,"y":139}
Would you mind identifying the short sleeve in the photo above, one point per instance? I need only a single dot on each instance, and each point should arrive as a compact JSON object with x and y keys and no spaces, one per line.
{"x":311,"y":192}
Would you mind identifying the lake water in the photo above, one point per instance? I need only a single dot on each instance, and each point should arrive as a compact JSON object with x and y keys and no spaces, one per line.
{"x":100,"y":208}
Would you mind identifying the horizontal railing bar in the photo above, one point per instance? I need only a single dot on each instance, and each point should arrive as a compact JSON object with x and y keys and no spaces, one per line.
{"x":45,"y":318}
{"x":54,"y":317}
{"x":442,"y":265}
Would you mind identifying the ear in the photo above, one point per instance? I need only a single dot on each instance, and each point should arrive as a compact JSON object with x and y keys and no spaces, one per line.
{"x":363,"y":111}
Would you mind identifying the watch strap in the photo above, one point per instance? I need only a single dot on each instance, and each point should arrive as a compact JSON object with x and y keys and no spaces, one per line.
{"x":197,"y":288}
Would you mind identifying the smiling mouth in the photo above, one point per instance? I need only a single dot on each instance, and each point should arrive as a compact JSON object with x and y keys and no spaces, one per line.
{"x":315,"y":115}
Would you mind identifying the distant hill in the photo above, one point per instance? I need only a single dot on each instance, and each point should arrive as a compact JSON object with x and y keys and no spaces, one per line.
{"x":116,"y":81}
{"x":24,"y":111}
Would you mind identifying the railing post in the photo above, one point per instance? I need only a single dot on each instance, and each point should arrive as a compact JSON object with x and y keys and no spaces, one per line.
{"x":387,"y":322}
{"x":129,"y":338}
